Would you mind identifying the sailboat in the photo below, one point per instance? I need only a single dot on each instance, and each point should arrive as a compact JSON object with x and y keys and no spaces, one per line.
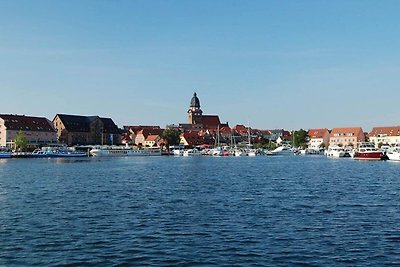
{"x":217,"y":150}
{"x":251,"y":152}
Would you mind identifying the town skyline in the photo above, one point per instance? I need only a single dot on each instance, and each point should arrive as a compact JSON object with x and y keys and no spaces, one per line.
{"x":267,"y":64}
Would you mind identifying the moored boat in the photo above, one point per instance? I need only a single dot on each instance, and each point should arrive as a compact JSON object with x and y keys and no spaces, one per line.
{"x":335,"y":152}
{"x":367,"y":151}
{"x":5,"y":154}
{"x":117,"y":151}
{"x":192,"y":153}
{"x":56,"y":152}
{"x":393,"y":153}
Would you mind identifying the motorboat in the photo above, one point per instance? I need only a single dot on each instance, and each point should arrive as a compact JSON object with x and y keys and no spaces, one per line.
{"x":367,"y":151}
{"x":335,"y":152}
{"x":192,"y":153}
{"x":393,"y":153}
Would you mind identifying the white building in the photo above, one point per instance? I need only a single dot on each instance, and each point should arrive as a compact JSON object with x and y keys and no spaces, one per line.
{"x":385,"y":135}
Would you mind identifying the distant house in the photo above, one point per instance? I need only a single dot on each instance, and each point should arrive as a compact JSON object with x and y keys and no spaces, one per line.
{"x":317,"y":137}
{"x":275,"y":134}
{"x":142,"y":134}
{"x":284,"y":140}
{"x":346,"y":136}
{"x":152,"y":140}
{"x":39,"y":131}
{"x":86,"y":130}
{"x":385,"y":135}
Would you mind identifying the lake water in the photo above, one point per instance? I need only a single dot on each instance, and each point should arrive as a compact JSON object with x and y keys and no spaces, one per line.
{"x":163,"y":211}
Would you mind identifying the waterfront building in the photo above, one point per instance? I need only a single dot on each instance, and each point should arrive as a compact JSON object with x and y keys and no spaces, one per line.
{"x":385,"y":135}
{"x":142,"y":134}
{"x":86,"y":130}
{"x":275,"y":134}
{"x":152,"y":140}
{"x":38,"y":131}
{"x":346,"y":136}
{"x":284,"y":139}
{"x":317,"y":137}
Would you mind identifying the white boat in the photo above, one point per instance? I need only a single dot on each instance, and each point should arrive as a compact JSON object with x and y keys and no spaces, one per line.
{"x":335,"y":152}
{"x":56,"y":152}
{"x":393,"y":153}
{"x":115,"y":151}
{"x":280,"y":150}
{"x":251,"y":152}
{"x":192,"y":153}
{"x":239,"y":153}
{"x":216,"y":152}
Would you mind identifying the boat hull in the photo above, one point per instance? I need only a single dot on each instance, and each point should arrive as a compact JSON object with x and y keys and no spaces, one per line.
{"x":5,"y":155}
{"x":368,"y":155}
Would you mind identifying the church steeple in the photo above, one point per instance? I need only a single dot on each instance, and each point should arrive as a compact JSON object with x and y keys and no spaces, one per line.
{"x":195,"y":113}
{"x":195,"y":102}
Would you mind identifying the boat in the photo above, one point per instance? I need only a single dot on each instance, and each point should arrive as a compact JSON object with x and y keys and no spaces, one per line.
{"x":118,"y":151}
{"x":280,"y":150}
{"x":393,"y":153}
{"x":335,"y":152}
{"x":192,"y":153}
{"x":367,"y":151}
{"x":5,"y":154}
{"x":56,"y":152}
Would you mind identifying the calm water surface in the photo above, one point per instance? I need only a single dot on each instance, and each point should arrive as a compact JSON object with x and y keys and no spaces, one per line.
{"x":163,"y":211}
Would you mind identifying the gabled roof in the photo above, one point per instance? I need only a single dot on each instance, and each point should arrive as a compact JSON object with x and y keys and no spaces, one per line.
{"x":317,"y":133}
{"x":152,"y":138}
{"x":148,"y":131}
{"x":27,"y":123}
{"x":192,"y":138}
{"x":350,"y":131}
{"x":385,"y":131}
{"x":109,"y":126}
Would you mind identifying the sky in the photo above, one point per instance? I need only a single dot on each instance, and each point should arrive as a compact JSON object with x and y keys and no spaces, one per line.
{"x":271,"y":64}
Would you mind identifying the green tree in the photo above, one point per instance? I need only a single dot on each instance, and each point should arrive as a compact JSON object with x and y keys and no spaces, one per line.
{"x":171,"y":137}
{"x":300,"y":138}
{"x":322,"y":146}
{"x":20,"y":140}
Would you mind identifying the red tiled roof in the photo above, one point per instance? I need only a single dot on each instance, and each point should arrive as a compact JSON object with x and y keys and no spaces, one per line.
{"x":385,"y":131}
{"x":317,"y":133}
{"x":193,"y":138}
{"x":355,"y":131}
{"x":27,"y":123}
{"x":210,"y":121}
{"x":152,"y":138}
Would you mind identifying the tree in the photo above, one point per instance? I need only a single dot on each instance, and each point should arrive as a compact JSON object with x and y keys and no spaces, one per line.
{"x":322,"y":146}
{"x":171,"y":137}
{"x":300,"y":138}
{"x":20,"y":140}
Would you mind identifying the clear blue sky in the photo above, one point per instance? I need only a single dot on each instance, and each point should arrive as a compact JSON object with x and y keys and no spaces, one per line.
{"x":277,"y":64}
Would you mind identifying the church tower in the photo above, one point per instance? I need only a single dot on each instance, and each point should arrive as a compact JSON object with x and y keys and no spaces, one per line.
{"x":195,"y":113}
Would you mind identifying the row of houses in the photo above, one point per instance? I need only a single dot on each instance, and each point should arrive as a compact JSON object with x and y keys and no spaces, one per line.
{"x":349,"y":137}
{"x":96,"y":130}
